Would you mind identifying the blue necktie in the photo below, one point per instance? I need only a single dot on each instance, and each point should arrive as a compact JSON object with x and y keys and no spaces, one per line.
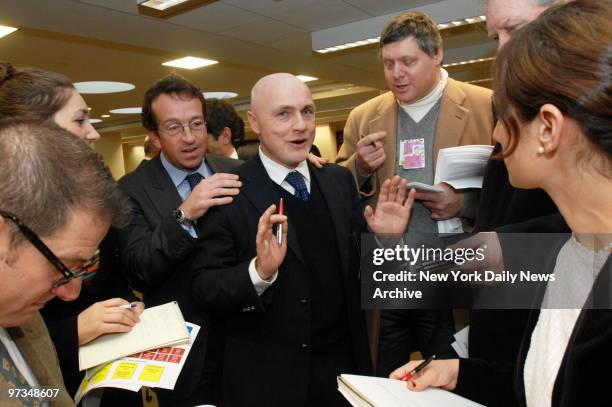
{"x":193,"y":179}
{"x":296,"y":180}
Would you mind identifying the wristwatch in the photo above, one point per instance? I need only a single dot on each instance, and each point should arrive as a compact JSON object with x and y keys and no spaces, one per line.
{"x":180,"y":217}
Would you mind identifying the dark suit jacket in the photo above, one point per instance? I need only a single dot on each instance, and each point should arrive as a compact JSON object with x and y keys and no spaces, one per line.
{"x":264,"y":349}
{"x":157,"y":253}
{"x":578,"y":382}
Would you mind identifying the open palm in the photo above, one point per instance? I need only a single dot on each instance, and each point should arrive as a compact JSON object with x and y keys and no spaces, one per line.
{"x":393,"y":208}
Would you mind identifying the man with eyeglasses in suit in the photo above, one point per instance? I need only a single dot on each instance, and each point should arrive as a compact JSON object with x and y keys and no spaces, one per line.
{"x":169,"y":195}
{"x":57,"y":201}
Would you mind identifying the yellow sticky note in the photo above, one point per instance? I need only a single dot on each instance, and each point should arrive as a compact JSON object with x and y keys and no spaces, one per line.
{"x":125,"y":370}
{"x":151,"y":373}
{"x":101,"y":374}
{"x":84,"y":385}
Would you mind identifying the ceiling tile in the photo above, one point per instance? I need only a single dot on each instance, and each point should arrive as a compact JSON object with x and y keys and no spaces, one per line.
{"x":296,"y":44}
{"x":382,"y":7}
{"x":262,"y":31}
{"x":215,"y":17}
{"x":272,"y":8}
{"x":323,"y":15}
{"x":119,"y":5}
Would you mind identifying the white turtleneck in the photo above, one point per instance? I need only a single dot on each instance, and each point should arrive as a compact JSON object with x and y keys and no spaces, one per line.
{"x":417,"y":110}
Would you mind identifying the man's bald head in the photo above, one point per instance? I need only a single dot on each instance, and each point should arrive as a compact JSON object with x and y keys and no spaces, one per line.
{"x":283,"y":115}
{"x":265,"y":88}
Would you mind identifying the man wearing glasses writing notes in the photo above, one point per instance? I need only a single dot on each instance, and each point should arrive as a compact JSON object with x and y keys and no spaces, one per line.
{"x":169,"y":195}
{"x":57,"y":201}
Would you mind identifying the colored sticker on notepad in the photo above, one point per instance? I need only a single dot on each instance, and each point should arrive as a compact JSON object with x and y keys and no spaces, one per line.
{"x":412,"y":153}
{"x":84,"y":385}
{"x":101,"y":374}
{"x":125,"y":370}
{"x":151,"y":373}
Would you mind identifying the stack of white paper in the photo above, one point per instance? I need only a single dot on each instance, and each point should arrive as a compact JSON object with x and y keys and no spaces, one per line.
{"x":158,"y":327}
{"x":461,"y":167}
{"x":365,"y":391}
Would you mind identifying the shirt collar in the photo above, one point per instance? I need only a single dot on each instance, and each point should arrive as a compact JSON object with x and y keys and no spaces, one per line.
{"x":177,"y":175}
{"x":432,"y":97}
{"x":278,"y":173}
{"x":234,"y":154}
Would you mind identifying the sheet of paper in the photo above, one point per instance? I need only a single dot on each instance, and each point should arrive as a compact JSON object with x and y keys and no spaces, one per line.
{"x":380,"y":392}
{"x":461,"y":342}
{"x":159,"y":326}
{"x":419,"y":186}
{"x":461,"y":167}
{"x":153,"y":368}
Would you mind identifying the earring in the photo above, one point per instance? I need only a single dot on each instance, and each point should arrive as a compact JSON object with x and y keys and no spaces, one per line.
{"x":540,"y":150}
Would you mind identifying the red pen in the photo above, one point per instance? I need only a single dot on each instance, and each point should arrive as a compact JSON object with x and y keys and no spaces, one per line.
{"x":417,"y":369}
{"x":279,"y":230}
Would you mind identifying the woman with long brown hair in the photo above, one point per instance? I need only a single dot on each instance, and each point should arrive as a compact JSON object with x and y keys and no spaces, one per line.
{"x":553,"y":95}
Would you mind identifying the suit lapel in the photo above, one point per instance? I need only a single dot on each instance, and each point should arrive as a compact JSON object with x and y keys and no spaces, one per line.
{"x":386,"y":121}
{"x":160,"y":188}
{"x":36,"y":347}
{"x":452,"y":118}
{"x":330,"y":189}
{"x":260,"y":191}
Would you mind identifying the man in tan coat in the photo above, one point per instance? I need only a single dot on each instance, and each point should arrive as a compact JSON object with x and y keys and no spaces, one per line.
{"x":57,"y":201}
{"x":424,"y":108}
{"x":400,"y":132}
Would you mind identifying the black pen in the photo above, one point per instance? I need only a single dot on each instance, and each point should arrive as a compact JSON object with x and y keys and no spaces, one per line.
{"x":420,"y":367}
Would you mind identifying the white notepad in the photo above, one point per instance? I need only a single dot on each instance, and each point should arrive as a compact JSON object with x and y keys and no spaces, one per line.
{"x":366,"y":391}
{"x":158,"y":327}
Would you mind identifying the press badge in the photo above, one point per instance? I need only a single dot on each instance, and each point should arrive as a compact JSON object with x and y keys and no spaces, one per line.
{"x":412,"y":153}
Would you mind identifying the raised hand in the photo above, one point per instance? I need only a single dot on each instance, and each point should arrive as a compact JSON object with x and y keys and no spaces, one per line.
{"x":218,"y":189}
{"x":393,"y":208}
{"x":270,"y":254}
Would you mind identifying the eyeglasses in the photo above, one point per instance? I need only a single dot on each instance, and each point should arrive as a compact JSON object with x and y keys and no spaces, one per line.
{"x":53,"y":259}
{"x":176,"y":128}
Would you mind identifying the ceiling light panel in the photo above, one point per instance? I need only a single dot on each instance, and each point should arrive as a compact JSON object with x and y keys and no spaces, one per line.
{"x":161,"y":5}
{"x":95,"y":87}
{"x":127,"y":110}
{"x":6,"y":30}
{"x":306,"y":78}
{"x":451,"y":13}
{"x":219,"y":95}
{"x":190,"y":62}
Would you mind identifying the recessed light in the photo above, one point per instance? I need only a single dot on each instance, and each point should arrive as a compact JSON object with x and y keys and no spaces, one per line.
{"x":105,"y":115}
{"x":6,"y":30}
{"x":161,"y":4}
{"x":127,"y":110}
{"x":306,"y":78}
{"x":219,"y":95}
{"x":94,"y":121}
{"x":94,"y":87}
{"x":190,"y":62}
